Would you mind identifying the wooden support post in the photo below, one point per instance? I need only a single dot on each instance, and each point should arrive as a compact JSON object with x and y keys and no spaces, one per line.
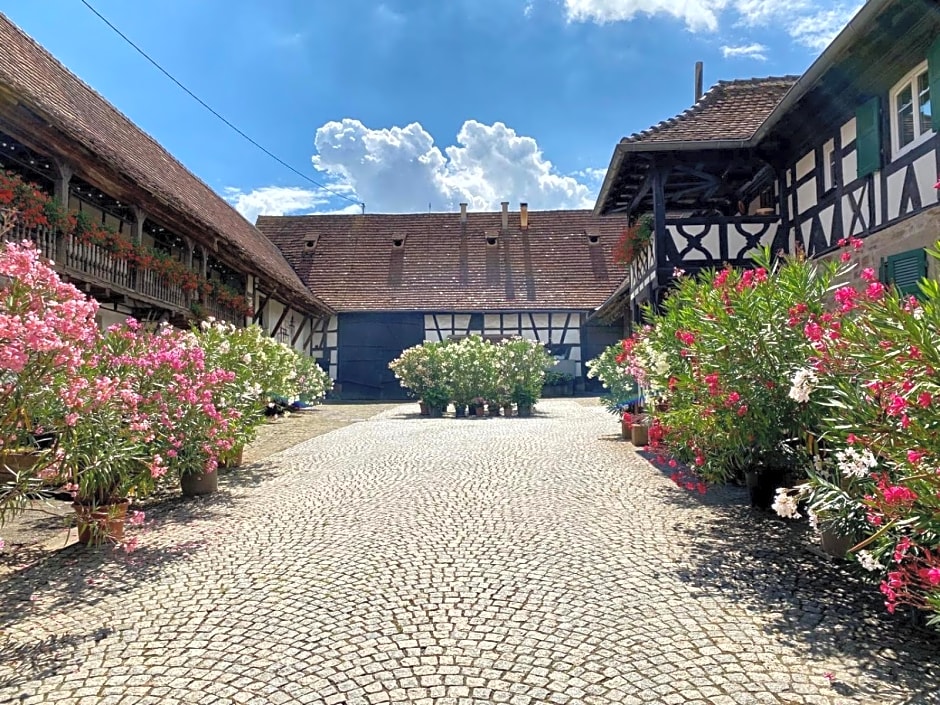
{"x":139,"y":217}
{"x":659,"y":224}
{"x":62,"y":183}
{"x":189,"y":253}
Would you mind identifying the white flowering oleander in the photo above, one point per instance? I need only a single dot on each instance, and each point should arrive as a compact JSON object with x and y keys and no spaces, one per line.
{"x":868,"y":561}
{"x":785,"y":504}
{"x":804,"y":382}
{"x":813,"y":519}
{"x":856,"y":463}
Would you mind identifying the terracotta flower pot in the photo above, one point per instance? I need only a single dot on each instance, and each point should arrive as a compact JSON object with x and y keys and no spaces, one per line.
{"x":640,"y":434}
{"x":234,"y":460}
{"x":97,"y":525}
{"x":423,"y":408}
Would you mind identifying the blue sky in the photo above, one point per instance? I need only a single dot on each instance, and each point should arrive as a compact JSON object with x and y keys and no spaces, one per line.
{"x":406,"y":103}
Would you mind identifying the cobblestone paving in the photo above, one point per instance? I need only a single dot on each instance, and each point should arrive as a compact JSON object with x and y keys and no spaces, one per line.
{"x":459,"y":562}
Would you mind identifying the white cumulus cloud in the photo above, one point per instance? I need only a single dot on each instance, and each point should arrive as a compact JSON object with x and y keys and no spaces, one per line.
{"x":749,"y":51}
{"x":696,"y":14}
{"x":812,"y":23}
{"x":401,"y":169}
{"x":281,"y":200}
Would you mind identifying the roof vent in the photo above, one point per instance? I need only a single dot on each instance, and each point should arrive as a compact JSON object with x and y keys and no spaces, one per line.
{"x":398,"y":241}
{"x":593,"y":237}
{"x":492,"y":237}
{"x":699,"y":85}
{"x":311,"y":242}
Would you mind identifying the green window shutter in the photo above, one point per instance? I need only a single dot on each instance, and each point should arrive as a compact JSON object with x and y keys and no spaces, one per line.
{"x":905,"y":270}
{"x":933,"y":70}
{"x":868,"y":137}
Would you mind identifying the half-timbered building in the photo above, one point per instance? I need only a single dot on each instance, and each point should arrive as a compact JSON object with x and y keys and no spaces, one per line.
{"x":58,"y":133}
{"x":850,"y":148}
{"x":400,"y":280}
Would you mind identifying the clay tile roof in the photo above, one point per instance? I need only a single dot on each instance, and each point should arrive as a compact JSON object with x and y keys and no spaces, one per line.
{"x":730,"y":110}
{"x":42,"y":83}
{"x":443,"y":265}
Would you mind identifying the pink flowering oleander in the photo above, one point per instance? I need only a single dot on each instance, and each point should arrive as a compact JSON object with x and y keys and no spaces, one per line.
{"x":47,"y":328}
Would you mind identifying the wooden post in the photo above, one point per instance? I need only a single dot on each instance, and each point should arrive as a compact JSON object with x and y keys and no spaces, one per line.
{"x":62,"y":183}
{"x":139,"y":217}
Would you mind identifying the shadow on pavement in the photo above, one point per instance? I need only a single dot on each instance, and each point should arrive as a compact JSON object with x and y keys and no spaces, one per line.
{"x":821,"y":605}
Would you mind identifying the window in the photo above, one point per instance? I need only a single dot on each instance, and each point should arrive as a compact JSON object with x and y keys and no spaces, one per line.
{"x":911,"y":119}
{"x":829,"y":166}
{"x":905,"y":270}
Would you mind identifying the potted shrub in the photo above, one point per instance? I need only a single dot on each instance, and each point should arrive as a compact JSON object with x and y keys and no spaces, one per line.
{"x":622,"y":395}
{"x":522,"y":371}
{"x":875,"y":383}
{"x":410,"y":370}
{"x":721,"y":353}
{"x":48,"y":335}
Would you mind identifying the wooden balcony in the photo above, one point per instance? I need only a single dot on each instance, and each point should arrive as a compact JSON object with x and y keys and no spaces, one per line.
{"x":103,"y":271}
{"x":699,"y":243}
{"x":696,"y":243}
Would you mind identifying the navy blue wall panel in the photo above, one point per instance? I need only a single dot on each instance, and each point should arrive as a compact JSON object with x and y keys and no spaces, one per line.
{"x":366,"y":343}
{"x":594,"y":338}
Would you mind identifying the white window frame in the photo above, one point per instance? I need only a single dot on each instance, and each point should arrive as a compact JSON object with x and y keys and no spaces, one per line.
{"x":919,"y":137}
{"x":829,"y":173}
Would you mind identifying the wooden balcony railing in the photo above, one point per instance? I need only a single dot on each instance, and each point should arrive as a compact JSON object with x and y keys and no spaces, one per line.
{"x":222,"y":313}
{"x":95,"y":265}
{"x":711,"y":241}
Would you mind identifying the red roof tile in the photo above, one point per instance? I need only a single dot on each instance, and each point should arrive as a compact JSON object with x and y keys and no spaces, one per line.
{"x":730,"y":110}
{"x":70,"y":105}
{"x":445,"y":266}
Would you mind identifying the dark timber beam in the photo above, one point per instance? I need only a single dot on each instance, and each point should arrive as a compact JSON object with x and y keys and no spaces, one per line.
{"x":277,"y":326}
{"x":300,"y":329}
{"x":264,"y":302}
{"x":641,"y":193}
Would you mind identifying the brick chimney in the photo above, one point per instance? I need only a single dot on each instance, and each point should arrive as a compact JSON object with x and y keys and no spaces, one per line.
{"x":463,"y":213}
{"x":505,"y":205}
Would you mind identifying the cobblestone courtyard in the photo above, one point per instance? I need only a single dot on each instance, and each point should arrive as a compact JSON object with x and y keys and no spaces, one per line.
{"x":425,"y":561}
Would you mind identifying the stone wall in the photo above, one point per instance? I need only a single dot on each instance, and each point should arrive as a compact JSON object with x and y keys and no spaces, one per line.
{"x":921,"y":230}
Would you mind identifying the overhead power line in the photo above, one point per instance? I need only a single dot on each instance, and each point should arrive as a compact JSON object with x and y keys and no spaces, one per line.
{"x":216,"y":114}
